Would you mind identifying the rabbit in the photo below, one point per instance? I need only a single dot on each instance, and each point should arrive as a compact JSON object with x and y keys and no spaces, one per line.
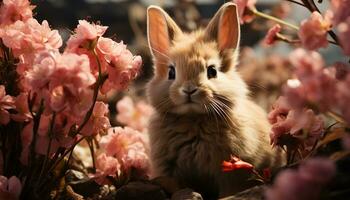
{"x":203,"y":110}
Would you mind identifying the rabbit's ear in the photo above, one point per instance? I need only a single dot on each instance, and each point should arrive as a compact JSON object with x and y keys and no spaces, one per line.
{"x":161,"y":30}
{"x":225,"y":27}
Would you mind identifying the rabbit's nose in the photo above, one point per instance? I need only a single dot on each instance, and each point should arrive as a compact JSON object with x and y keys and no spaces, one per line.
{"x":189,"y":92}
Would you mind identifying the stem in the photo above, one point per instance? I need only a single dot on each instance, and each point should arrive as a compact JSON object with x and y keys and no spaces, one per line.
{"x":283,"y":38}
{"x":266,"y":16}
{"x":92,"y":151}
{"x":52,"y":123}
{"x":97,"y":87}
{"x":66,"y":153}
{"x":36,"y":118}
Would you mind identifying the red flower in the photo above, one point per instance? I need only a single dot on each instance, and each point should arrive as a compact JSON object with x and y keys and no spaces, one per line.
{"x":271,"y":36}
{"x":234,"y":164}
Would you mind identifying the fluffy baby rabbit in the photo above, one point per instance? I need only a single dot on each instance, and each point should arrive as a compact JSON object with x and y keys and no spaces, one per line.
{"x":203,"y":112}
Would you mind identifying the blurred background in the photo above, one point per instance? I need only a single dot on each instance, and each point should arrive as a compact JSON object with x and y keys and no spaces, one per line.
{"x":264,"y":68}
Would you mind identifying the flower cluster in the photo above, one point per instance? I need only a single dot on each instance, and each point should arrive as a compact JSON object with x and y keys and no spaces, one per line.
{"x":123,"y":150}
{"x":55,"y":105}
{"x":320,"y":88}
{"x":313,"y":31}
{"x":113,"y":57}
{"x":292,"y":127}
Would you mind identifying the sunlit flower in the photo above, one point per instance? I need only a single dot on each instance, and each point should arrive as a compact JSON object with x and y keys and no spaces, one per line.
{"x":70,"y":91}
{"x":13,"y":10}
{"x":106,"y":166}
{"x":129,"y":146}
{"x":85,"y":34}
{"x":99,"y":121}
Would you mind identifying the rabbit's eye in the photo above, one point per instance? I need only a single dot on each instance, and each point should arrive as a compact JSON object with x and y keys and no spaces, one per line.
{"x":211,"y":72}
{"x":171,"y":75}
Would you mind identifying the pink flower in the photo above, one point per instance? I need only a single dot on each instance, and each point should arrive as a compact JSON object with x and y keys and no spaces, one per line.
{"x":271,"y":36}
{"x":315,"y":85}
{"x":136,"y":158}
{"x":134,"y":115}
{"x":71,"y":91}
{"x":27,"y":38}
{"x":6,"y":103}
{"x":32,"y":35}
{"x":98,"y":122}
{"x":340,"y":10}
{"x":302,"y":184}
{"x":123,"y":69}
{"x":109,"y":49}
{"x":129,"y":146}
{"x":106,"y":166}
{"x":85,"y":33}
{"x":13,"y":10}
{"x":300,"y":125}
{"x":114,"y":58}
{"x":43,"y":68}
{"x":243,"y":7}
{"x":313,"y":31}
{"x":343,"y":33}
{"x":12,"y":185}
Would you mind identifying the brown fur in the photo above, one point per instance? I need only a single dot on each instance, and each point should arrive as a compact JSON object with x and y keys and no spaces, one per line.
{"x":189,"y":142}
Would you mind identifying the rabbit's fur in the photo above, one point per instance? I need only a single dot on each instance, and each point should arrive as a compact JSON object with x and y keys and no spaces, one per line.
{"x":190,"y":140}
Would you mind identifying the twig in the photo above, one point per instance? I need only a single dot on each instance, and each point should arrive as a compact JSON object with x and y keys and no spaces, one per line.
{"x":266,"y":16}
{"x":292,"y":1}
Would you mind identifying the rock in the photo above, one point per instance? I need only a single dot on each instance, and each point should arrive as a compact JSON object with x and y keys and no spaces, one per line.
{"x":186,"y":194}
{"x":254,"y":193}
{"x":141,"y":190}
{"x":81,"y":183}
